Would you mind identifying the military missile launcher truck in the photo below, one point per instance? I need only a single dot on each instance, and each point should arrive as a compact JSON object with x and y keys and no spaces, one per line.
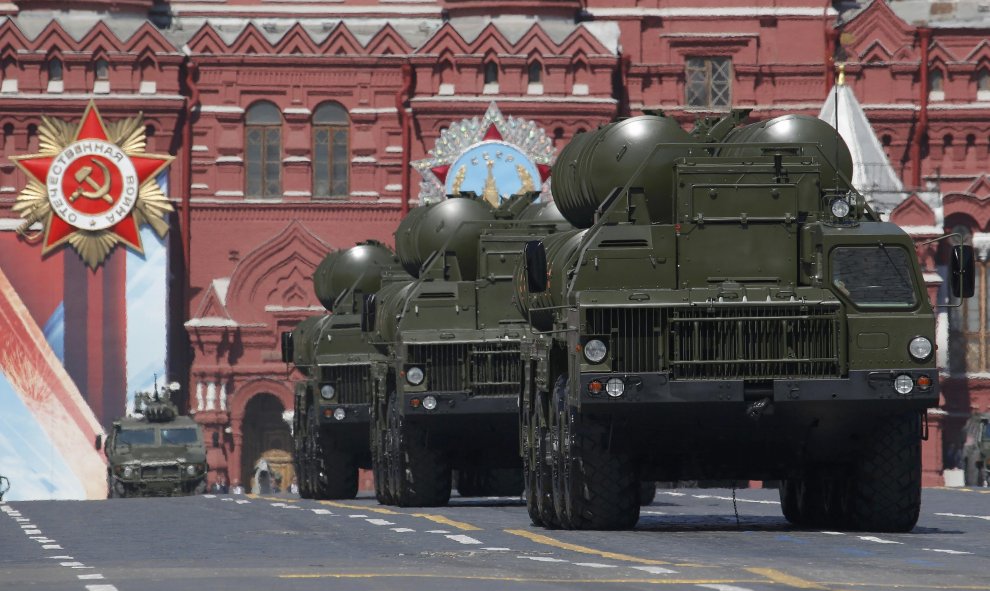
{"x":156,"y":452}
{"x":330,"y":423}
{"x":729,"y":308}
{"x":448,"y":400}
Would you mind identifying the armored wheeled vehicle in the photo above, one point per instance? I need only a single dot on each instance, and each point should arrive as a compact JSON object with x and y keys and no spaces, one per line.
{"x":976,"y":449}
{"x":728,"y":308}
{"x":156,"y":452}
{"x":331,"y":418}
{"x":447,"y":404}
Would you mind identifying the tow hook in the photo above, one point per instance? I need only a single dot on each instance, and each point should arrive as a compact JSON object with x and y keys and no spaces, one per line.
{"x":756,"y":409}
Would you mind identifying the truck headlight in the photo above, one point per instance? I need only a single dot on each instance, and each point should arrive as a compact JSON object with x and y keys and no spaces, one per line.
{"x":414,"y":376}
{"x":595,"y":351}
{"x":840,"y":208}
{"x":327,"y":391}
{"x":920,"y":348}
{"x":615,"y":387}
{"x":903,"y":384}
{"x":128,"y":471}
{"x":191,"y":469}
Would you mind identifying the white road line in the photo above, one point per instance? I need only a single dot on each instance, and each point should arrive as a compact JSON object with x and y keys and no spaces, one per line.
{"x":984,"y":517}
{"x":652,"y":512}
{"x":402,"y":530}
{"x":361,"y":515}
{"x":100,"y":588}
{"x":84,"y":566}
{"x":737,"y":499}
{"x":594,"y":565}
{"x":297,"y":508}
{"x":29,"y":526}
{"x":724,"y":587}
{"x":832,"y":533}
{"x":541,"y":558}
{"x":243,"y":502}
{"x":674,"y":494}
{"x":877,"y":540}
{"x":210,"y":496}
{"x":656,"y":570}
{"x":322,"y":511}
{"x":278,"y":504}
{"x":51,"y":547}
{"x":463,"y":539}
{"x":91,"y":577}
{"x":497,"y":549}
{"x":943,"y":551}
{"x":70,"y":564}
{"x":32,"y":532}
{"x":379,"y":522}
{"x":227,"y":500}
{"x":437,"y":531}
{"x":61,"y":558}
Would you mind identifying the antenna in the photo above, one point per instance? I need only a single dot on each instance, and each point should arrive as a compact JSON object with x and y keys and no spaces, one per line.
{"x":841,"y":81}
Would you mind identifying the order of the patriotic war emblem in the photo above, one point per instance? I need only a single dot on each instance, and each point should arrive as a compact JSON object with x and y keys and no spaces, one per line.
{"x":92,"y":186}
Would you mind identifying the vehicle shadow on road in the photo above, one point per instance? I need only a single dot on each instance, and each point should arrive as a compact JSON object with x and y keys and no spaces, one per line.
{"x":486,"y":502}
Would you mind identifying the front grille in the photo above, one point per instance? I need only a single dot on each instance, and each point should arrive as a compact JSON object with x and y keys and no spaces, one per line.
{"x":352,"y":383}
{"x":723,"y":342}
{"x":160,"y":472}
{"x":484,"y":369}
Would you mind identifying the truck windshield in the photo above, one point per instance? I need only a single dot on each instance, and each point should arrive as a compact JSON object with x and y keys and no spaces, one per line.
{"x":183,"y":436}
{"x":136,"y":437}
{"x":874,"y":276}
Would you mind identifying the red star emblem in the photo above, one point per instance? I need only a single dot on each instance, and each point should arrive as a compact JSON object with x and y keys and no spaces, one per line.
{"x":92,"y":184}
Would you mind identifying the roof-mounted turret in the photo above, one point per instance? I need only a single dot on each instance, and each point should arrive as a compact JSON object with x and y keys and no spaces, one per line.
{"x":157,"y":405}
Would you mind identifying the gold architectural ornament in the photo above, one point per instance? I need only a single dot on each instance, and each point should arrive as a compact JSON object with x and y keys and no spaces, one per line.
{"x":92,"y":186}
{"x":525,"y":178}
{"x":841,"y":67}
{"x":490,"y":194}
{"x":459,"y":179}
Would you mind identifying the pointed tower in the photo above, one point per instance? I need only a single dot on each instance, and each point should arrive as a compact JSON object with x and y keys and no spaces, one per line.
{"x":873,"y":176}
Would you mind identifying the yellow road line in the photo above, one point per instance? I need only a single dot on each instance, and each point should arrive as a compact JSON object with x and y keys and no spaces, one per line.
{"x":785,"y":579}
{"x":446,"y":521}
{"x":522,"y":579}
{"x":272,"y":499}
{"x":547,"y":540}
{"x":912,"y":585}
{"x":381,"y":510}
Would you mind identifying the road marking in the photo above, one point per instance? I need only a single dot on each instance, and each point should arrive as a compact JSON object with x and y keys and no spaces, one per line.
{"x":541,"y":558}
{"x":460,"y":538}
{"x":28,"y":526}
{"x":877,"y":540}
{"x":674,"y":494}
{"x":437,"y":531}
{"x":725,"y":587}
{"x":209,"y":496}
{"x":447,"y":521}
{"x":594,"y":583}
{"x":379,"y":522}
{"x":983,"y":517}
{"x":243,"y":502}
{"x":945,"y":551}
{"x":653,"y":513}
{"x":322,"y":511}
{"x":656,"y":570}
{"x":402,"y":530}
{"x":546,"y":540}
{"x":497,"y":549}
{"x":70,"y":564}
{"x":785,"y":579}
{"x":358,"y":516}
{"x":92,"y":577}
{"x":380,"y":510}
{"x":61,"y":558}
{"x":737,"y":499}
{"x":32,"y":532}
{"x":594,"y":565}
{"x":51,"y":547}
{"x":832,"y":533}
{"x":100,"y":588}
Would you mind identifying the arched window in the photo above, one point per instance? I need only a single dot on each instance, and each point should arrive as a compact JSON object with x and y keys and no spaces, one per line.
{"x":535,"y":73}
{"x":263,"y":166}
{"x":936,"y":85}
{"x":8,"y":70}
{"x":55,"y":84}
{"x":491,"y":73}
{"x":102,"y":70}
{"x":983,"y":85}
{"x":331,"y":151}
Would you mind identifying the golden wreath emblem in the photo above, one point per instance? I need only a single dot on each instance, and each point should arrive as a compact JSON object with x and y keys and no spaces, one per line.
{"x":92,"y":185}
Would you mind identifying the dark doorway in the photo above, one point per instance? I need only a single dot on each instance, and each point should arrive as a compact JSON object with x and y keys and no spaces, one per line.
{"x":265,"y":434}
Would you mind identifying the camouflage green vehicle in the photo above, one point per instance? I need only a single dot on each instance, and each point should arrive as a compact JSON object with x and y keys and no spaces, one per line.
{"x":331,"y":418}
{"x":156,"y":454}
{"x":446,"y":404}
{"x":729,"y":308}
{"x":976,"y":449}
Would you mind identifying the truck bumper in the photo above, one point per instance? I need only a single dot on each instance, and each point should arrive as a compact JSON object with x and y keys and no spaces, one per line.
{"x":460,"y":404}
{"x":354,"y":415}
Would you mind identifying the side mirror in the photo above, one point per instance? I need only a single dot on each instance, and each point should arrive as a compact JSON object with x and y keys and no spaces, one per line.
{"x":99,"y":441}
{"x":288,"y":347}
{"x":963,"y":271}
{"x":216,"y":437}
{"x":368,"y":313}
{"x":536,"y":267}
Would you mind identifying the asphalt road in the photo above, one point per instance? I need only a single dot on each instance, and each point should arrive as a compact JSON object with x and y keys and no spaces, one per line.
{"x":688,"y":539}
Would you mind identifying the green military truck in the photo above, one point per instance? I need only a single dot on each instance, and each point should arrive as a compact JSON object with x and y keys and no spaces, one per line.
{"x":729,"y":308}
{"x":331,"y":411}
{"x":976,"y":449}
{"x":446,"y":403}
{"x":155,"y":453}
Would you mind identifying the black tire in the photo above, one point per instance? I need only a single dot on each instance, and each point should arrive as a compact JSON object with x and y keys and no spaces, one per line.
{"x":885,"y":490}
{"x":379,"y":459}
{"x":543,"y":467}
{"x":789,"y":492}
{"x":421,"y":475}
{"x":647,"y":493}
{"x":527,"y":421}
{"x":600,"y":487}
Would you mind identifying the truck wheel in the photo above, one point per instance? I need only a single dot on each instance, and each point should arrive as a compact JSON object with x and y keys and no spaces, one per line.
{"x":421,"y":474}
{"x":318,"y":484}
{"x":600,"y":488}
{"x":789,"y":491}
{"x":647,"y":493}
{"x":529,"y":463}
{"x":885,"y":490}
{"x":543,"y":466}
{"x":379,"y":459}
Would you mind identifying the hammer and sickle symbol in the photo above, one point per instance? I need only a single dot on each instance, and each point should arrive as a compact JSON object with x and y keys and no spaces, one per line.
{"x":83,"y":175}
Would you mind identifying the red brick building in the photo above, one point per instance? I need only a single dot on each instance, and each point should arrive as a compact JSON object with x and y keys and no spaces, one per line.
{"x":294,"y":125}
